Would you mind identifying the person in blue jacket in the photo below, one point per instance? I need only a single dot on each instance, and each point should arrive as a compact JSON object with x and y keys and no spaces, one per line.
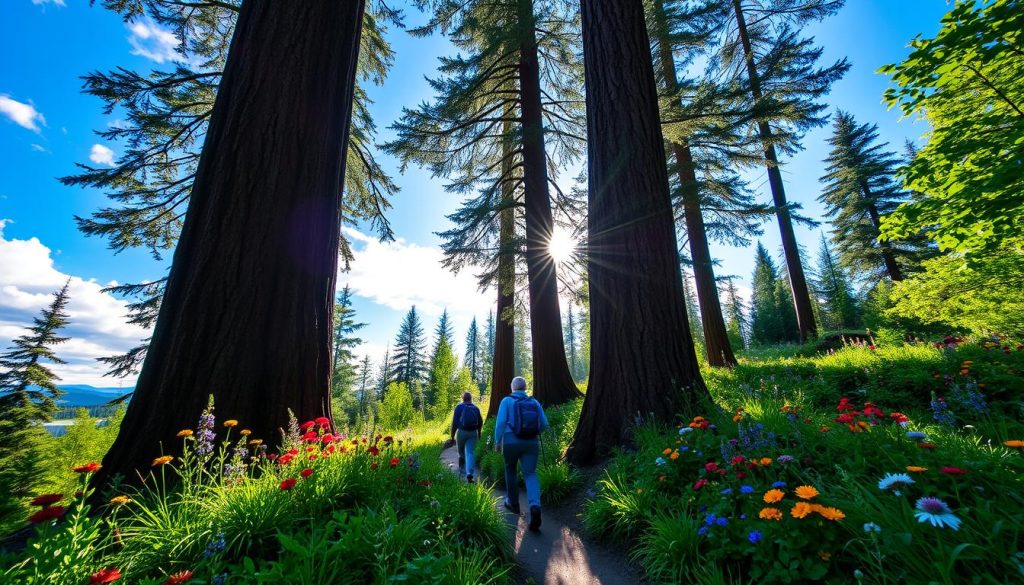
{"x":517,"y":430}
{"x":466,"y":429}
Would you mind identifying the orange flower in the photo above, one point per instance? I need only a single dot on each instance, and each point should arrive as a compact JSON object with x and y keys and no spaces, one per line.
{"x":256,"y":442}
{"x":120,"y":500}
{"x":825,"y":429}
{"x":772,"y":496}
{"x":231,"y":423}
{"x":162,"y":460}
{"x":770,"y":514}
{"x":87,"y":468}
{"x":801,"y":510}
{"x":806,"y":492}
{"x":104,"y":576}
{"x":674,"y":455}
{"x":916,"y":469}
{"x":185,"y":433}
{"x":246,"y":432}
{"x":737,"y":418}
{"x":661,"y":478}
{"x":179,"y":578}
{"x":830,"y":513}
{"x":766,"y":461}
{"x":1014,"y":444}
{"x":666,"y":451}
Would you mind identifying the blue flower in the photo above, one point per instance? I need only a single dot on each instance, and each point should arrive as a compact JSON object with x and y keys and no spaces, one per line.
{"x":710,"y":519}
{"x":703,"y":531}
{"x":894,"y":480}
{"x":872,"y":527}
{"x":722,"y":521}
{"x":746,"y":489}
{"x":684,"y":449}
{"x":726,"y":491}
{"x":660,"y":461}
{"x":779,"y":485}
{"x":685,"y":430}
{"x":936,"y":512}
{"x":785,"y":459}
{"x":755,"y":536}
{"x":916,"y":435}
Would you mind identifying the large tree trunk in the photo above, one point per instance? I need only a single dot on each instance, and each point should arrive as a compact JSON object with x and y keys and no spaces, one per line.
{"x":794,"y":266}
{"x":716,"y":337}
{"x":888,"y":259}
{"x":503,"y":360}
{"x":248,"y":312}
{"x":552,"y":381}
{"x":643,"y":361}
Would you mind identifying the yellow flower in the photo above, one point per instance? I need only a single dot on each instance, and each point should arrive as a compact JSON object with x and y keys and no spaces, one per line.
{"x":830,"y":513}
{"x":256,"y":442}
{"x":231,"y":423}
{"x":801,"y":510}
{"x":162,"y":460}
{"x":246,"y":432}
{"x":120,"y":500}
{"x":916,"y":469}
{"x":674,"y":455}
{"x":766,"y":461}
{"x":772,"y":496}
{"x":770,"y":514}
{"x":666,"y":451}
{"x":185,"y":433}
{"x":806,"y":492}
{"x":1014,"y":444}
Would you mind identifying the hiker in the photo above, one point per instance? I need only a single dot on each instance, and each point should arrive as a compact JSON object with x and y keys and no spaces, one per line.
{"x":466,"y":429}
{"x":517,"y":435}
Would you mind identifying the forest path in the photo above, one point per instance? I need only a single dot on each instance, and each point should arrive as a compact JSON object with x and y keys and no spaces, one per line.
{"x":557,"y":554}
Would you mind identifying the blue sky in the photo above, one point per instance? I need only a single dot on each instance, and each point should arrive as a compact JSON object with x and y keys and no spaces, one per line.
{"x":47,"y":125}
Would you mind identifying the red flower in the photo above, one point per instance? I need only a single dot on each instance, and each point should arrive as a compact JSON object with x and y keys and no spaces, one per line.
{"x":306,"y":472}
{"x":179,"y":578}
{"x":700,"y":483}
{"x":953,"y":470}
{"x":288,"y":484}
{"x":364,"y":440}
{"x":844,"y":418}
{"x":104,"y":576}
{"x":388,"y":439}
{"x":323,"y":421}
{"x":285,"y":459}
{"x":711,"y":467}
{"x":47,"y":514}
{"x":310,"y":437}
{"x":741,"y":474}
{"x":374,"y":451}
{"x":330,"y":449}
{"x":394,"y":462}
{"x":374,"y":465}
{"x":926,"y":445}
{"x":307,"y":425}
{"x":327,"y":438}
{"x":47,"y":499}
{"x":738,"y":459}
{"x":88,"y":468}
{"x":293,"y":452}
{"x":272,"y":456}
{"x":313,"y":457}
{"x":898,"y":417}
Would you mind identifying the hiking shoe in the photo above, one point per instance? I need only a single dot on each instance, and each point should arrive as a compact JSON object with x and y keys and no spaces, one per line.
{"x":510,"y":507}
{"x":469,"y":478}
{"x":535,"y":518}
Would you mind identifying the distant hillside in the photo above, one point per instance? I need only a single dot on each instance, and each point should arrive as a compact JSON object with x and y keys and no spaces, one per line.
{"x":85,"y":395}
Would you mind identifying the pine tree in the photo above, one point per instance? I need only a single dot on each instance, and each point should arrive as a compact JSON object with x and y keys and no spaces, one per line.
{"x":860,"y":189}
{"x":487,"y":354}
{"x":442,"y":381}
{"x":366,"y":395}
{"x":474,"y":346}
{"x":572,"y":345}
{"x":693,"y":317}
{"x":28,"y":395}
{"x":643,"y":360}
{"x":766,"y":320}
{"x":737,"y":324}
{"x":344,"y":376}
{"x":444,"y":331}
{"x":833,"y":287}
{"x":409,"y":359}
{"x":258,"y":252}
{"x":782,"y":80}
{"x":383,"y":374}
{"x":166,"y":114}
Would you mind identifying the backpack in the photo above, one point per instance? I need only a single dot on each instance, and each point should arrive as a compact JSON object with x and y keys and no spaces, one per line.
{"x":526,"y":415}
{"x":470,"y":418}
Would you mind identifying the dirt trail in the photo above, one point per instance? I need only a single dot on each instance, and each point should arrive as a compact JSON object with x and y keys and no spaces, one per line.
{"x":557,"y":555}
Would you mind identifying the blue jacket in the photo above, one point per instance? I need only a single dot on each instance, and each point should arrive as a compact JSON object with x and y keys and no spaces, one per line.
{"x":503,"y":424}
{"x":457,"y":417}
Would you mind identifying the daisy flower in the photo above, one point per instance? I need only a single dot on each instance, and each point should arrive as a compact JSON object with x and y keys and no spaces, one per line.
{"x":772,"y":496}
{"x":770,"y":514}
{"x":936,"y":512}
{"x":894,"y":480}
{"x":806,"y":492}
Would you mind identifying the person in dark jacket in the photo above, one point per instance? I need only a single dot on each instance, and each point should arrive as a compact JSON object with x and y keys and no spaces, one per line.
{"x":466,"y":428}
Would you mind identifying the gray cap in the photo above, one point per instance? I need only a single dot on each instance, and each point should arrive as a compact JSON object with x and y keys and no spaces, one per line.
{"x":518,"y":383}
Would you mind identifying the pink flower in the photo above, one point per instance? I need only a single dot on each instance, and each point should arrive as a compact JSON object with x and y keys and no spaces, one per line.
{"x":700,"y":483}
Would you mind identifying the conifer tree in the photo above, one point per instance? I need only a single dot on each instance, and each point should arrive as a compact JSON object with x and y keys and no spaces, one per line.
{"x":766,"y":320}
{"x":257,"y":258}
{"x":345,"y":326}
{"x":28,"y":395}
{"x":442,"y":381}
{"x":643,"y":360}
{"x":474,"y":351}
{"x":736,"y":320}
{"x":833,"y":287}
{"x":166,"y":116}
{"x":522,"y":354}
{"x":783,"y":80}
{"x":444,"y":331}
{"x":383,"y":374}
{"x":408,"y":361}
{"x":365,"y":396}
{"x":487,"y":353}
{"x":861,"y":189}
{"x":572,"y":344}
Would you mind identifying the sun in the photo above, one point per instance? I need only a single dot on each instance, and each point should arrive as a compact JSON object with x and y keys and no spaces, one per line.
{"x":561,"y":246}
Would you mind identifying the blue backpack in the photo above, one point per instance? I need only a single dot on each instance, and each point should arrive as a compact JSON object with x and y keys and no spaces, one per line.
{"x":470,"y":420}
{"x":526,"y":415}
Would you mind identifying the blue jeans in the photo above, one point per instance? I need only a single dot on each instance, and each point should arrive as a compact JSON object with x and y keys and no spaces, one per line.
{"x":515,"y":451}
{"x":466,"y":442}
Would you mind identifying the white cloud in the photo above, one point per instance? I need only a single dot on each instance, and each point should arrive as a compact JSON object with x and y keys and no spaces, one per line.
{"x":39,"y":148}
{"x":152,"y":42}
{"x":101,"y":155}
{"x":54,"y":2}
{"x":24,"y":115}
{"x":97,"y":328}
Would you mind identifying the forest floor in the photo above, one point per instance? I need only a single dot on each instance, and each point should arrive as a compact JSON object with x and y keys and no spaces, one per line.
{"x":558,"y":554}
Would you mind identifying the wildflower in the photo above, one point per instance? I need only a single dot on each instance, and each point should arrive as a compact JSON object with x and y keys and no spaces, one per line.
{"x":120,"y":500}
{"x":47,"y":500}
{"x":785,"y":459}
{"x":231,"y":423}
{"x":322,"y":421}
{"x":700,"y":483}
{"x":327,"y":438}
{"x":825,"y":429}
{"x":288,"y":484}
{"x":310,"y":437}
{"x":215,"y":546}
{"x":872,"y":527}
{"x":830,"y":513}
{"x":737,"y":460}
{"x":388,"y":439}
{"x":765,"y":461}
{"x":722,"y":521}
{"x":770,"y":514}
{"x":179,"y":578}
{"x":674,"y":455}
{"x":1014,"y":444}
{"x":395,"y":461}
{"x":164,"y":460}
{"x":894,"y":480}
{"x":916,"y":435}
{"x":755,"y":536}
{"x":825,"y":556}
{"x":806,"y":492}
{"x":772,"y":496}
{"x":666,"y":451}
{"x":245,"y":432}
{"x":726,"y":491}
{"x":660,"y":461}
{"x":685,"y":430}
{"x":374,"y":465}
{"x":305,"y":473}
{"x":256,"y":442}
{"x":801,"y":510}
{"x":88,"y":468}
{"x":104,"y":576}
{"x":953,"y":470}
{"x":374,"y":451}
{"x":184,"y":433}
{"x":926,"y":445}
{"x":306,"y":426}
{"x":46,"y":514}
{"x":684,"y":449}
{"x":711,"y":467}
{"x":916,"y":469}
{"x":746,"y":489}
{"x":936,"y":512}
{"x":703,"y":530}
{"x":779,"y":484}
